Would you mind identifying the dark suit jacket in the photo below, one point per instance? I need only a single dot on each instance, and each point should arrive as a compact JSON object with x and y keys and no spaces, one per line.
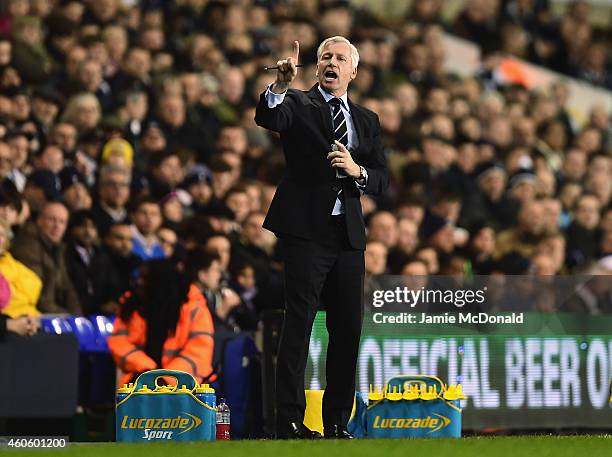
{"x":96,"y":284}
{"x":309,"y":188}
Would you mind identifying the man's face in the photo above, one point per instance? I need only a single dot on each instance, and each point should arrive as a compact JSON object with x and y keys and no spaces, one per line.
{"x":138,"y":63}
{"x":153,"y":140}
{"x":383,"y":228}
{"x":52,"y":222}
{"x":238,"y":202}
{"x":552,"y":212}
{"x":167,"y":239}
{"x":443,"y":240}
{"x":21,"y":107}
{"x":74,"y":59}
{"x":493,"y":184}
{"x":104,"y":9}
{"x":375,"y":258}
{"x":234,"y":139}
{"x":484,"y":241}
{"x":119,"y":240}
{"x":9,"y":214}
{"x":172,"y":111}
{"x":115,"y":190}
{"x":169,"y":171}
{"x":574,"y":165}
{"x":5,"y":52}
{"x":587,"y":212}
{"x":52,"y":159}
{"x":437,"y":101}
{"x":6,"y":160}
{"x":335,"y":68}
{"x":222,"y":247}
{"x":91,"y":75}
{"x":87,"y":234}
{"x":253,"y":230}
{"x":44,"y":110}
{"x":65,"y":136}
{"x":201,"y":192}
{"x":210,"y":278}
{"x":408,"y":237}
{"x":147,"y":218}
{"x":232,"y":88}
{"x":530,"y":217}
{"x":77,"y":197}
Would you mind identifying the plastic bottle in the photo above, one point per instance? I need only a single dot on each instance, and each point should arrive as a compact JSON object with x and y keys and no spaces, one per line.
{"x":212,"y":398}
{"x":206,"y":394}
{"x":223,"y":420}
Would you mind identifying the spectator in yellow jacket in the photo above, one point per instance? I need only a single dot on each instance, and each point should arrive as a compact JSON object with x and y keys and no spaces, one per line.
{"x":25,"y":285}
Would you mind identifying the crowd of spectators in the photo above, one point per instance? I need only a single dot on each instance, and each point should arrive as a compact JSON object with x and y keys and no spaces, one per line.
{"x":127,"y":134}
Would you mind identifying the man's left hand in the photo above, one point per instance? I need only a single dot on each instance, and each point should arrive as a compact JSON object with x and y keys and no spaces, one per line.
{"x":342,"y":160}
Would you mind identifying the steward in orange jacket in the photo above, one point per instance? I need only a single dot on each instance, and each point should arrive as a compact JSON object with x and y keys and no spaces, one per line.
{"x":188,"y":346}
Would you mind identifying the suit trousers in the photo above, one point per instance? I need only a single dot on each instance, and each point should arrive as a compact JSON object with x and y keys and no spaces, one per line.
{"x":325,"y":270}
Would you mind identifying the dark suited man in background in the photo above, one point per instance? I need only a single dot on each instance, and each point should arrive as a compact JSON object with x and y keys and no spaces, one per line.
{"x":316,"y":211}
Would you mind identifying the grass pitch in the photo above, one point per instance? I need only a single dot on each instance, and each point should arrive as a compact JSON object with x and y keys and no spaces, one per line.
{"x":527,"y":446}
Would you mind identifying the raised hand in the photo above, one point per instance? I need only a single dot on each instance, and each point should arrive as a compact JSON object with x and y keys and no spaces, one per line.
{"x":287,"y":70}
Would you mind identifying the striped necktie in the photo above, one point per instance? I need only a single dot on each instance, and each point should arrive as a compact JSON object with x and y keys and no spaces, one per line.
{"x":339,"y":122}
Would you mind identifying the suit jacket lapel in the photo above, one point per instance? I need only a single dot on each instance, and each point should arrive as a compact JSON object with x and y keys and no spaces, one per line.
{"x":324,"y":111}
{"x":357,"y":122}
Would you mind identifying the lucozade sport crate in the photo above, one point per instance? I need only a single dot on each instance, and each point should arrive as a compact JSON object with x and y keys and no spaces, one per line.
{"x":148,"y":411}
{"x":414,"y":406}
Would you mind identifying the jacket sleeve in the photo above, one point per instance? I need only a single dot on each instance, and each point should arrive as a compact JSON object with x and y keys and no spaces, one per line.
{"x":279,"y":118}
{"x":129,"y":357}
{"x":376,"y":165}
{"x":196,"y":355}
{"x":32,"y":284}
{"x":3,"y":320}
{"x":27,"y":251}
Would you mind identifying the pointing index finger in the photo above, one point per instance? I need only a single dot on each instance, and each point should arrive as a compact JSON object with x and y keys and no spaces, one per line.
{"x":296,"y":51}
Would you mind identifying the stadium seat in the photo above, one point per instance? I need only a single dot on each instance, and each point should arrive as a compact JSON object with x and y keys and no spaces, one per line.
{"x":103,"y":328}
{"x":55,"y":324}
{"x":84,"y":331}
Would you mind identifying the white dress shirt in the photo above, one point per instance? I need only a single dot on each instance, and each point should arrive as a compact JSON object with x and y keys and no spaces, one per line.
{"x":275,"y":99}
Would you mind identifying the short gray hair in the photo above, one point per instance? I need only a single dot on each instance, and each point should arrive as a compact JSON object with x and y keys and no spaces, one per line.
{"x":339,"y":39}
{"x":108,"y":170}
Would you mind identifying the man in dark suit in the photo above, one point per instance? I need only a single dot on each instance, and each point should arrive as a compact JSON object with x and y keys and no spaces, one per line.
{"x":316,"y":211}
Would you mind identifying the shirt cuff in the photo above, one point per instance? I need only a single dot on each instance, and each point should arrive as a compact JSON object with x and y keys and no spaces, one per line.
{"x":273,"y":98}
{"x":362,"y":185}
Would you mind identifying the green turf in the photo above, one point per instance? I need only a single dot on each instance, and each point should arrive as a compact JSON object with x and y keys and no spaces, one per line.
{"x":523,"y":446}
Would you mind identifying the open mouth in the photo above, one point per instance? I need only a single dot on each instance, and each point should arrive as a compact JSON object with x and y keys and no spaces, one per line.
{"x":330,"y":75}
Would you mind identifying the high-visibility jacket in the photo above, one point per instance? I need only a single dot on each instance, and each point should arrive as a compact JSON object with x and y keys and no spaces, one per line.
{"x":190,"y":349}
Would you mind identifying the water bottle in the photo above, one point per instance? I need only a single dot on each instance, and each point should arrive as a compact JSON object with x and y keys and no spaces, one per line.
{"x":223,"y":420}
{"x":212,"y":399}
{"x":206,"y":394}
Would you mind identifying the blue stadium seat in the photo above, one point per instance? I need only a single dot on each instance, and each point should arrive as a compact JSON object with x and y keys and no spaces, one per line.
{"x":84,"y":331}
{"x":55,"y":324}
{"x":103,"y":328}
